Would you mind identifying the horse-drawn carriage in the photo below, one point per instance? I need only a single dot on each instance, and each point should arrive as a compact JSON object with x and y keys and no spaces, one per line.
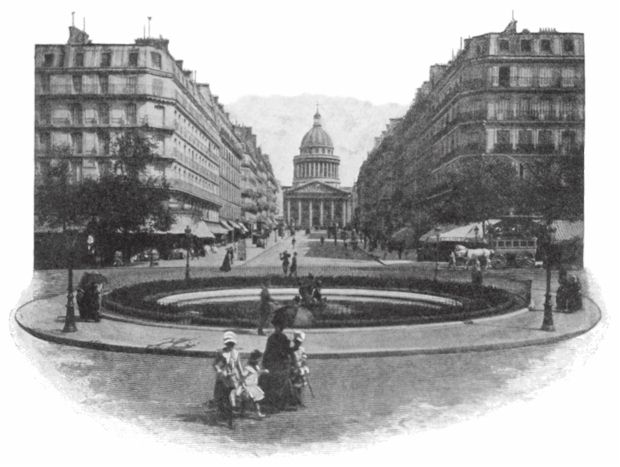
{"x":513,"y":252}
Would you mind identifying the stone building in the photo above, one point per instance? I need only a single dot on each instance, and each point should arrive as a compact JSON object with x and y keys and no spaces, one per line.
{"x":316,"y":199}
{"x":515,"y":95}
{"x":87,"y":94}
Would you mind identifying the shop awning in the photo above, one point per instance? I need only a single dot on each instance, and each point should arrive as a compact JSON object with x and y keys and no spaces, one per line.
{"x":199,"y":227}
{"x":226,"y":225}
{"x":216,"y":228}
{"x":566,"y":231}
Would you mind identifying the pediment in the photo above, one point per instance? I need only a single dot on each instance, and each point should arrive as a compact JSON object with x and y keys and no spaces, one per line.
{"x":316,"y":187}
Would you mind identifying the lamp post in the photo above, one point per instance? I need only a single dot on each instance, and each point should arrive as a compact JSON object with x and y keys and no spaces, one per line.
{"x":437,"y":232}
{"x":547,"y":324}
{"x":188,"y":238}
{"x":70,"y":314}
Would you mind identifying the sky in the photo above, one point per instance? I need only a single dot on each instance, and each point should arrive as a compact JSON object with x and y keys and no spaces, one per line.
{"x":372,"y":50}
{"x":332,"y":47}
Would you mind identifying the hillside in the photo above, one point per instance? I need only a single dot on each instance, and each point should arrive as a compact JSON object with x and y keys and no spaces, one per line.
{"x":280,"y":123}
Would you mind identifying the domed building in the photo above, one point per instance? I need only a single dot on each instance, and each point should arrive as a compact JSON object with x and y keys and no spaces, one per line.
{"x":315,"y":198}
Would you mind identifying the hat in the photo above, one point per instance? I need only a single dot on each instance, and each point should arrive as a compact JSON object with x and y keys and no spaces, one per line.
{"x":230,"y":336}
{"x":299,"y":336}
{"x":255,"y":355}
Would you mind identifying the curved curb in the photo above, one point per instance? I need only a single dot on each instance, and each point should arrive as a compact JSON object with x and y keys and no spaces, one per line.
{"x":97,"y":345}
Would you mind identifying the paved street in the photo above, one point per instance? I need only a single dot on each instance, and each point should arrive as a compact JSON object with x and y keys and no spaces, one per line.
{"x":357,"y":400}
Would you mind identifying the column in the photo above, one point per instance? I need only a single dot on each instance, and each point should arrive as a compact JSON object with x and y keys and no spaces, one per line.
{"x":332,"y":212}
{"x":299,"y":212}
{"x":344,"y":213}
{"x":288,"y":211}
{"x":310,"y":213}
{"x":321,"y":214}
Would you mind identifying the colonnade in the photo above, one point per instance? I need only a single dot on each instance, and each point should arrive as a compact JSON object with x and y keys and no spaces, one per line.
{"x":327,"y":211}
{"x":316,"y":170}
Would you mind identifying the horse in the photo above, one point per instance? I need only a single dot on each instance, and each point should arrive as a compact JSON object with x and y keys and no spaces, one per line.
{"x":470,"y":255}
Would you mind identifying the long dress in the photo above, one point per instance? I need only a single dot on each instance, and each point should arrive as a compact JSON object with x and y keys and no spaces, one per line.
{"x":277,"y":359}
{"x":226,"y":263}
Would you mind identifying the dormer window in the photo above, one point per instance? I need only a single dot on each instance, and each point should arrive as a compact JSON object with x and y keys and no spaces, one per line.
{"x":545,"y":45}
{"x":79,"y":59}
{"x":526,"y":45}
{"x":156,"y":60}
{"x":106,"y":59}
{"x":133,"y":58}
{"x":504,"y":45}
{"x":569,"y":45}
{"x":48,"y":60}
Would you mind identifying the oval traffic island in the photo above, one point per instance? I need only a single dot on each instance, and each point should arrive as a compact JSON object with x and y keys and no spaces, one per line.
{"x":349,"y":301}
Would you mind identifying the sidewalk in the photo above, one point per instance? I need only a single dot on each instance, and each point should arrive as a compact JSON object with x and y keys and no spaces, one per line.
{"x":44,"y":319}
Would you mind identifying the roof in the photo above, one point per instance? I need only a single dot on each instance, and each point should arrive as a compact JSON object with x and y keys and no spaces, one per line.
{"x":458,"y":233}
{"x":316,"y":136}
{"x":567,"y":231}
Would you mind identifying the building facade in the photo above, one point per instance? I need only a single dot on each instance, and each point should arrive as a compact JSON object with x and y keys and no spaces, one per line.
{"x":87,"y":94}
{"x":315,"y":198}
{"x":516,"y":95}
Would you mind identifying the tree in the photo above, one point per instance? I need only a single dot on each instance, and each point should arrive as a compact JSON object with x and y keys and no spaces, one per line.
{"x":477,"y":189}
{"x":127,"y":201}
{"x":553,"y":188}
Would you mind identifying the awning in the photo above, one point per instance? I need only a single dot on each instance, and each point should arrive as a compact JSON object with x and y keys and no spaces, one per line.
{"x":199,"y":228}
{"x":226,"y":225}
{"x":566,"y":231}
{"x":216,"y":228}
{"x":457,"y":233}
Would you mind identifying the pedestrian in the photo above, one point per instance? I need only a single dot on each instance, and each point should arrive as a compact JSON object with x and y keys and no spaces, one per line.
{"x":252,"y":372}
{"x":293,"y":241}
{"x":228,"y":372}
{"x":266,"y":303}
{"x":277,"y":359}
{"x":476,"y":273}
{"x":335,"y":236}
{"x":452,"y":260}
{"x":225,"y":267}
{"x":317,"y":296}
{"x":284,"y":256}
{"x":299,"y":367}
{"x":293,"y":267}
{"x":231,"y":253}
{"x":322,"y":240}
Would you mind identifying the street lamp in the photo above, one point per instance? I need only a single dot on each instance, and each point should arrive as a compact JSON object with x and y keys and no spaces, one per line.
{"x":188,"y":237}
{"x":437,"y":232}
{"x":547,"y":324}
{"x":70,"y":314}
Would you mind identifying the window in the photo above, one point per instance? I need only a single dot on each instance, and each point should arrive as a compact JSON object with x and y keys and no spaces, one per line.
{"x":48,"y":60}
{"x":568,"y":78}
{"x":79,"y":59}
{"x":545,"y":77}
{"x":545,"y":141}
{"x":45,"y":83}
{"x":526,"y":141}
{"x":569,"y":142}
{"x":77,"y":83}
{"x":45,"y":113}
{"x":104,"y":84}
{"x":545,"y":45}
{"x":45,"y":140}
{"x":545,"y":109}
{"x":503,"y":141}
{"x":504,"y":45}
{"x":131,"y":84}
{"x":568,"y":45}
{"x":104,"y":113}
{"x":76,"y":114}
{"x":503,"y":109}
{"x":526,"y":45}
{"x":131,"y":113}
{"x":104,"y":140}
{"x":524,"y":78}
{"x":156,"y":60}
{"x":504,"y":76}
{"x":158,"y":87}
{"x":133,"y":58}
{"x":106,"y":58}
{"x":76,"y":143}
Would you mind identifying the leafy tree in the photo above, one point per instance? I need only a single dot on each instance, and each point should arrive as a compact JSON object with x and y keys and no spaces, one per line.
{"x":127,"y":201}
{"x":477,"y":190}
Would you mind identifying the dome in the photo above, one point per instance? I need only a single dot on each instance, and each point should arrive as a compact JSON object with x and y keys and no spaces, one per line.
{"x":317,"y":136}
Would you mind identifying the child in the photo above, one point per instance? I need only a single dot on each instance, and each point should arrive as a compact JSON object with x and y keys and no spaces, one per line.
{"x":251,"y":390}
{"x":299,"y":369}
{"x":228,"y":375}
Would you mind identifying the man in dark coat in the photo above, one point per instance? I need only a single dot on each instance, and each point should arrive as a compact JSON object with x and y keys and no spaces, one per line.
{"x":277,"y":359}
